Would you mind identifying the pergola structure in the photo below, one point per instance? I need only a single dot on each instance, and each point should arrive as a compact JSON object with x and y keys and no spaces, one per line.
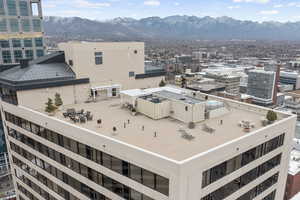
{"x":112,"y":90}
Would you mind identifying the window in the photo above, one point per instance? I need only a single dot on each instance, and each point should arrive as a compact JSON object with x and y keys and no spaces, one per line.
{"x":131,"y":74}
{"x":98,"y":58}
{"x":12,"y":8}
{"x":4,"y":43}
{"x":106,"y":160}
{"x":37,"y":27}
{"x":39,"y":52}
{"x":233,"y":186}
{"x":35,"y":9}
{"x":229,"y":166}
{"x":136,"y":173}
{"x":6,"y":56}
{"x":25,"y":25}
{"x":2,"y":12}
{"x":148,"y":178}
{"x":29,"y":54}
{"x":116,"y":165}
{"x":27,"y":42}
{"x":162,"y":185}
{"x":71,"y":62}
{"x":3,"y":25}
{"x":135,"y":51}
{"x":16,"y":42}
{"x":18,"y":55}
{"x":38,"y":42}
{"x":14,"y":25}
{"x":23,"y":8}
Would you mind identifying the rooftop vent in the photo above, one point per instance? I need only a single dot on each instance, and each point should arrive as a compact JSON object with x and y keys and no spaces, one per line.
{"x":24,"y":63}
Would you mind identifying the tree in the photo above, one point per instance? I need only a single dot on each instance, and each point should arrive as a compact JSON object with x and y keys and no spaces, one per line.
{"x":58,"y":101}
{"x":271,"y":116}
{"x":49,"y":106}
{"x":162,"y":83}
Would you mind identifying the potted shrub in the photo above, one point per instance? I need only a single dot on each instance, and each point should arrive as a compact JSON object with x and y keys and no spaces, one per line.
{"x":162,"y":83}
{"x":50,"y":108}
{"x":271,"y":116}
{"x":57,"y":100}
{"x":133,"y":111}
{"x":191,"y":125}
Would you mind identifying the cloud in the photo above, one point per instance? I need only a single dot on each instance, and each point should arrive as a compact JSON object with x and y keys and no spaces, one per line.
{"x":176,"y":4}
{"x":294,"y":4}
{"x":87,"y":4}
{"x":251,"y":1}
{"x":278,"y":6}
{"x":152,"y":3}
{"x":233,"y":7}
{"x":269,"y":12}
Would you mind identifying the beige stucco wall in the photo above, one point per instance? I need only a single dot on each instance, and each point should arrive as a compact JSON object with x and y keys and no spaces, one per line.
{"x":119,"y":59}
{"x":194,"y":112}
{"x":37,"y":98}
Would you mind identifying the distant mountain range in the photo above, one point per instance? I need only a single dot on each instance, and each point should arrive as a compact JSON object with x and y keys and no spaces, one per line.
{"x":173,"y":27}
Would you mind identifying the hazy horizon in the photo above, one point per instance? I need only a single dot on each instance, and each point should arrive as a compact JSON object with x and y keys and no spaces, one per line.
{"x":254,"y":10}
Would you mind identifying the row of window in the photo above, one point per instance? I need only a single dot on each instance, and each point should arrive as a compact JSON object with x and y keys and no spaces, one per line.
{"x":217,"y":172}
{"x":271,"y":196}
{"x":24,"y":8}
{"x":18,"y":55}
{"x":243,"y":180}
{"x":26,"y":192}
{"x":102,"y":180}
{"x":261,"y":188}
{"x":45,"y":181}
{"x":20,"y":25}
{"x":31,"y":184}
{"x":18,"y":43}
{"x":143,"y":176}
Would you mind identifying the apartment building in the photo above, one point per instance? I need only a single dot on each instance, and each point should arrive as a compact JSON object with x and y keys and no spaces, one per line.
{"x":21,"y":31}
{"x":139,"y":144}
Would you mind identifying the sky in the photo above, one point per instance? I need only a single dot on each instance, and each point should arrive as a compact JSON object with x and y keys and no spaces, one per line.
{"x":255,"y":10}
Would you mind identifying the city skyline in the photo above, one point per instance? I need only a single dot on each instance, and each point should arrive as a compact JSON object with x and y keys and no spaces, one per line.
{"x":255,"y":10}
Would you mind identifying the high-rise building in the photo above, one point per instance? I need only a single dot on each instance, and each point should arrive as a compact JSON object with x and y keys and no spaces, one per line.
{"x":21,"y":31}
{"x":140,"y":144}
{"x":2,"y":138}
{"x":261,"y":86}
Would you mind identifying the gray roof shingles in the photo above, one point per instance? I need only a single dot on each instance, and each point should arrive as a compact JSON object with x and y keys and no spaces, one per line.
{"x":38,"y":72}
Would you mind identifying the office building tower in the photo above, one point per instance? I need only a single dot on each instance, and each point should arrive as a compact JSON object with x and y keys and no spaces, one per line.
{"x":261,"y":86}
{"x":162,"y":143}
{"x":21,"y":31}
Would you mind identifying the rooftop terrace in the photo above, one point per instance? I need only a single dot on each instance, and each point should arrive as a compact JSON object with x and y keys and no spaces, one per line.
{"x":165,"y":136}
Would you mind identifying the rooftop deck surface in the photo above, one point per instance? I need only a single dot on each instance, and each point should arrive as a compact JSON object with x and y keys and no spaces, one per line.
{"x":168,"y":141}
